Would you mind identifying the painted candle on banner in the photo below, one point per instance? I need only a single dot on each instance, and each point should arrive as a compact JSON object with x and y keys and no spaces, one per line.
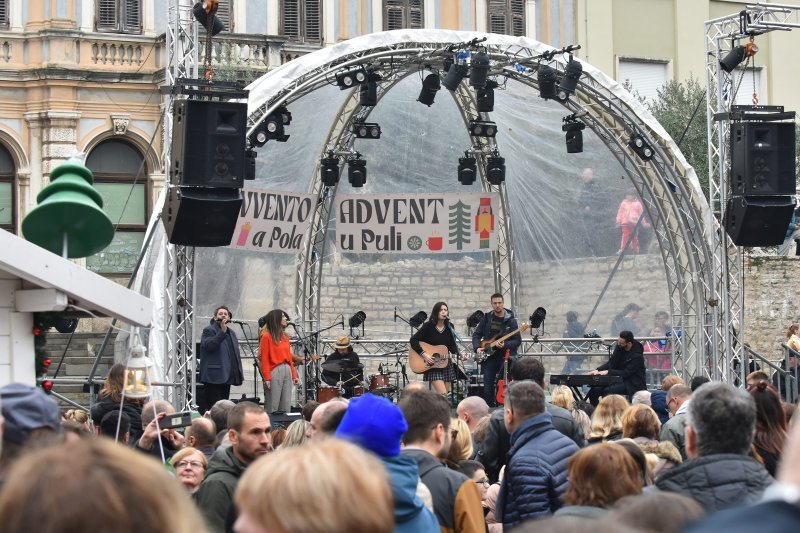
{"x":272,"y":221}
{"x":416,"y":223}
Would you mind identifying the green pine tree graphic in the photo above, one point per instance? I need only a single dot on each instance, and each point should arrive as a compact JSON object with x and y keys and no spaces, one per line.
{"x":459,"y":225}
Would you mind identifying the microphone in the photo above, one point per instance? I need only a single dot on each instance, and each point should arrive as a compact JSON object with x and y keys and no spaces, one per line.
{"x":236,"y":322}
{"x":291,"y":324}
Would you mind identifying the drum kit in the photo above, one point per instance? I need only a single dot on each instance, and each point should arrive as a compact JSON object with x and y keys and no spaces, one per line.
{"x":379,"y":384}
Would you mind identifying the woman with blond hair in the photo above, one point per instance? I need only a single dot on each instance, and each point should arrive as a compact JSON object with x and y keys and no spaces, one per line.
{"x":190,"y":467}
{"x":607,"y":419}
{"x":273,"y":494}
{"x":295,"y":434}
{"x":561,"y":396}
{"x":460,"y":443}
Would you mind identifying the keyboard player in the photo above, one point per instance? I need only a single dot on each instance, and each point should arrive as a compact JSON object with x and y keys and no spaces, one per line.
{"x":627,"y":361}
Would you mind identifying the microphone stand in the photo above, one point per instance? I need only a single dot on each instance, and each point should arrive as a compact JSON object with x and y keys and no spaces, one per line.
{"x":256,"y":364}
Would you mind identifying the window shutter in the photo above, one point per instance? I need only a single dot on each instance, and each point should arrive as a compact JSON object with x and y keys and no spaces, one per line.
{"x":497,"y":16}
{"x":291,"y":18}
{"x":133,"y":16}
{"x":645,"y":77}
{"x":4,"y":13}
{"x":313,"y":24}
{"x":394,"y":14}
{"x":224,"y":13}
{"x":415,"y":14}
{"x":107,"y":15}
{"x":517,"y":18}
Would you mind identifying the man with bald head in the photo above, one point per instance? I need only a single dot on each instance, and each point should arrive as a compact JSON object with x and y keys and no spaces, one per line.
{"x":171,"y":441}
{"x":471,"y":409}
{"x":201,"y":435}
{"x":326,"y":419}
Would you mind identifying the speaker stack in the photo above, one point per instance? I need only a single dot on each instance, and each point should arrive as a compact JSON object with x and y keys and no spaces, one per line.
{"x":762,"y":183}
{"x":207,"y":171}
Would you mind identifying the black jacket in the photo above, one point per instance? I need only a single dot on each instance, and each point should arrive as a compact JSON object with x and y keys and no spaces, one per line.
{"x":220,"y":361}
{"x":718,"y":481}
{"x":497,"y":441}
{"x":629,"y":365}
{"x":484,"y":331}
{"x":105,"y":405}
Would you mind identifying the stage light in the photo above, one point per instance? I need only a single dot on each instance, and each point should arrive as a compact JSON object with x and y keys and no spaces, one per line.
{"x":641,"y":147}
{"x":418,"y":319}
{"x":737,"y":54}
{"x":329,"y":170}
{"x":273,"y":126}
{"x":368,"y":96}
{"x":454,"y":76}
{"x":357,"y":172}
{"x":467,"y":170}
{"x":357,"y":319}
{"x":569,"y":81}
{"x":479,"y":69}
{"x":475,"y":319}
{"x":574,"y":136}
{"x":350,"y":78}
{"x":538,"y":317}
{"x":202,"y":18}
{"x":485,"y":97}
{"x":495,"y":169}
{"x":285,"y":114}
{"x":430,"y":86}
{"x":547,"y":82}
{"x":482,"y":128}
{"x":259,"y":137}
{"x":367,"y":130}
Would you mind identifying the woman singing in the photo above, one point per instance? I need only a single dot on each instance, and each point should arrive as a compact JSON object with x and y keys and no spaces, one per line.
{"x":436,"y":331}
{"x":276,"y":362}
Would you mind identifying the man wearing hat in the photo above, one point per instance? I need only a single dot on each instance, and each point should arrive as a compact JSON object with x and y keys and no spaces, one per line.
{"x":350,"y":374}
{"x":31,"y":416}
{"x":375,"y":423}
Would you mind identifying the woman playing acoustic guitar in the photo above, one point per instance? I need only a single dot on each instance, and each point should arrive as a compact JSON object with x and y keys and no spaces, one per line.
{"x":434,"y":343}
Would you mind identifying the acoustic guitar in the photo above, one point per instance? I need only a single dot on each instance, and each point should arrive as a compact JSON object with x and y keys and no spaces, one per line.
{"x":440,"y":354}
{"x":491,"y":342}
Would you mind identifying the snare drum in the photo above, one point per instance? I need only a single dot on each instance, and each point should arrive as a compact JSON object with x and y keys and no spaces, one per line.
{"x":358,"y":391}
{"x":379,"y":383}
{"x":325,"y":394}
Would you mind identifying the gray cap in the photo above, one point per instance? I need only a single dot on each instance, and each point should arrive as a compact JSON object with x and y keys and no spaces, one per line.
{"x":26,"y":408}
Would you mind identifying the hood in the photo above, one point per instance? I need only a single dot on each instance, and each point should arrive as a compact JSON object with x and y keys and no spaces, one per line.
{"x":227,"y":463}
{"x":664,"y":450}
{"x":404,"y":477}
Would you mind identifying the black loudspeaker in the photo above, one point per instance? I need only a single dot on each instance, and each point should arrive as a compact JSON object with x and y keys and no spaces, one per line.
{"x":208,"y":143}
{"x":283,"y":420}
{"x":762,"y":158}
{"x":197,"y":216}
{"x":759,"y":221}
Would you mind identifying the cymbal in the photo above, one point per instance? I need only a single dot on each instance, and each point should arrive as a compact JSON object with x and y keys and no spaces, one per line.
{"x":341,"y":365}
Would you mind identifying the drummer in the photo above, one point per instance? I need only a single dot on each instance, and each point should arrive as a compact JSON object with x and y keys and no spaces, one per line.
{"x":350,"y":377}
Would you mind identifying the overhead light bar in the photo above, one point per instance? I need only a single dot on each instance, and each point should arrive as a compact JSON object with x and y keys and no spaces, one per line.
{"x":350,"y":78}
{"x":482,"y":128}
{"x":367,"y":130}
{"x":641,"y":147}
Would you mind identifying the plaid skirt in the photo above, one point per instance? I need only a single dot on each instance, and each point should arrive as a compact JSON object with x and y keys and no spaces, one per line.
{"x":446,"y":374}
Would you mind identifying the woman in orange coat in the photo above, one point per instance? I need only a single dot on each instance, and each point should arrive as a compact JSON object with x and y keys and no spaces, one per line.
{"x":276,"y":362}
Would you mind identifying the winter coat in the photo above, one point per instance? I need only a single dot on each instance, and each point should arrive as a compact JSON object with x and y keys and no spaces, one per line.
{"x":105,"y":405}
{"x":484,"y":331}
{"x":536,"y":473}
{"x":664,"y":455}
{"x":718,"y":481}
{"x":215,"y":495}
{"x":220,"y":361}
{"x":410,"y":514}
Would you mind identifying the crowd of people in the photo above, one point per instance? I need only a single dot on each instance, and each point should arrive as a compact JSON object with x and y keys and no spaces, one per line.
{"x":694,"y":457}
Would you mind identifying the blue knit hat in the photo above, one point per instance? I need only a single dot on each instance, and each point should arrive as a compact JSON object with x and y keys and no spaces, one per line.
{"x":374,"y":423}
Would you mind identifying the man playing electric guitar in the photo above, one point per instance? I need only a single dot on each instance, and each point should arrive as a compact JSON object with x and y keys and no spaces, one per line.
{"x":495,"y":325}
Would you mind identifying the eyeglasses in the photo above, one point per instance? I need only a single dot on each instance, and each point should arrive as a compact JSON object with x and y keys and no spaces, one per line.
{"x":186,"y":464}
{"x":484,"y":481}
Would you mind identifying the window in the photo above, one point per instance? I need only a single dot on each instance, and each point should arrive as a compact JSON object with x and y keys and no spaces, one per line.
{"x":746,"y":81}
{"x":4,"y":14}
{"x":8,"y":192}
{"x":507,"y":16}
{"x":121,"y":16}
{"x":115,"y":165}
{"x":224,"y":13}
{"x":645,"y":77}
{"x":400,"y":14}
{"x":301,"y":20}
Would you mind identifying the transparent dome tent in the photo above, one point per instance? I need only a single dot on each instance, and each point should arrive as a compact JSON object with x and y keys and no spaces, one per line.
{"x":559,"y":209}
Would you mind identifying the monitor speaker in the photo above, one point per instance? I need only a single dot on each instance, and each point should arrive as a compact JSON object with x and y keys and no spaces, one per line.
{"x":762,"y":158}
{"x":758,"y":221}
{"x":201,"y":216}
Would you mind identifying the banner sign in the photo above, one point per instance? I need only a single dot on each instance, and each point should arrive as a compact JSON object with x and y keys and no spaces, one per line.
{"x":272,"y":221}
{"x":416,"y":223}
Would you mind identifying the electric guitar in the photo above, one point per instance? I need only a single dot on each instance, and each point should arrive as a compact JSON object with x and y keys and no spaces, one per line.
{"x":491,"y":342}
{"x":501,"y":384}
{"x":439,"y":353}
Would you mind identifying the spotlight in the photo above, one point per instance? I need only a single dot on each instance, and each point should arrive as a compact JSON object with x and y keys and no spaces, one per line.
{"x":737,"y":55}
{"x":357,"y":319}
{"x":538,"y":317}
{"x":454,"y":76}
{"x":273,"y":126}
{"x":286,"y":116}
{"x":467,"y":169}
{"x":479,"y":69}
{"x":641,"y":147}
{"x":367,"y":130}
{"x":430,"y":86}
{"x":569,"y":81}
{"x":350,"y":78}
{"x":486,"y":97}
{"x":547,"y":82}
{"x":475,"y":319}
{"x":574,"y":137}
{"x":202,"y":17}
{"x":495,"y":169}
{"x":369,"y":91}
{"x":357,"y":171}
{"x":259,"y":138}
{"x":482,"y":128}
{"x":329,"y":170}
{"x":418,"y":319}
